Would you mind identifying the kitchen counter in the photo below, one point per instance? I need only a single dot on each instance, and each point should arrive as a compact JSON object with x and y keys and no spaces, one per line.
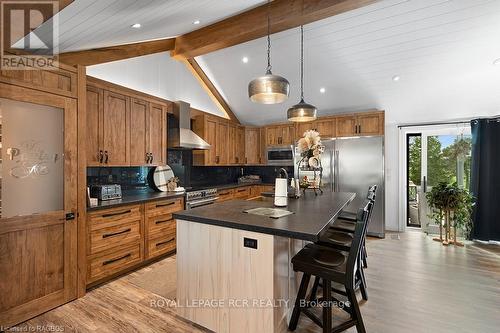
{"x":139,"y":196}
{"x":233,"y":185}
{"x":136,"y":196}
{"x":233,"y":268}
{"x":312,"y":215}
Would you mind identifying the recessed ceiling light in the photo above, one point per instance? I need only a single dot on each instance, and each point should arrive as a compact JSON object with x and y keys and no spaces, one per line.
{"x":136,"y":25}
{"x":244,"y":59}
{"x":322,"y":90}
{"x":196,"y":22}
{"x":396,"y":78}
{"x":496,"y":62}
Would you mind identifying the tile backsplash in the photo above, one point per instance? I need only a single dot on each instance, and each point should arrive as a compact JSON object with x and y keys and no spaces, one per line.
{"x":130,"y":178}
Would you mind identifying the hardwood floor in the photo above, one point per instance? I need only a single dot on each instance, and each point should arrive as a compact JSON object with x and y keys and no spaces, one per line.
{"x":414,"y":284}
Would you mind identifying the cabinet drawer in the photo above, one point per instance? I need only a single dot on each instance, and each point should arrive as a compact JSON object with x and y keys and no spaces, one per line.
{"x":225,"y":195}
{"x":160,"y":224}
{"x":111,"y":262}
{"x":117,"y":235}
{"x":161,"y":245}
{"x":112,"y":217}
{"x":162,"y":207}
{"x":242,"y":193}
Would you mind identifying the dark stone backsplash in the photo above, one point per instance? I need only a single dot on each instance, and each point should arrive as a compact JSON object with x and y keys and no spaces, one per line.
{"x":130,"y":178}
{"x":180,"y":161}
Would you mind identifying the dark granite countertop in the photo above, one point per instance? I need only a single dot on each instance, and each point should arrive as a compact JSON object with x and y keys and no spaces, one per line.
{"x":312,"y":215}
{"x":233,"y":185}
{"x":134,"y":197}
{"x":139,"y":196}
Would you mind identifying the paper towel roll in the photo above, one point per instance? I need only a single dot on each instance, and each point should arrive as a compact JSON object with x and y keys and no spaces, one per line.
{"x":281,"y":192}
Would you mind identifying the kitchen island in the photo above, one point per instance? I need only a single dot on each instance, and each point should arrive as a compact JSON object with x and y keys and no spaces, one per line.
{"x":233,"y":268}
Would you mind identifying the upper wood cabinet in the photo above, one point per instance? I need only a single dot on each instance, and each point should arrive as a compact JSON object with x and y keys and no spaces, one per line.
{"x":231,"y":144}
{"x":304,"y":127}
{"x":221,"y":149}
{"x":252,"y":145}
{"x":215,"y":131}
{"x":280,"y":135}
{"x":138,"y":120}
{"x":325,"y":126}
{"x":240,"y":145}
{"x":148,"y":131}
{"x":156,"y":134}
{"x":115,"y":129}
{"x":371,"y":123}
{"x":94,"y":125}
{"x":361,"y":124}
{"x":124,"y":129}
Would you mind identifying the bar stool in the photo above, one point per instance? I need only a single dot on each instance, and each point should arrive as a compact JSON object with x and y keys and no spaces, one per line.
{"x":331,"y":265}
{"x":342,"y":241}
{"x":344,"y":224}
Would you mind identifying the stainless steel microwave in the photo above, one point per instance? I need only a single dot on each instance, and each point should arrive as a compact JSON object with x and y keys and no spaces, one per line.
{"x":280,"y":156}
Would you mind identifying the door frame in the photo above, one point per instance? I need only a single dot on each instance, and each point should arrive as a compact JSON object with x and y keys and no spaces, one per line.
{"x":425,"y":130}
{"x":69,"y":106}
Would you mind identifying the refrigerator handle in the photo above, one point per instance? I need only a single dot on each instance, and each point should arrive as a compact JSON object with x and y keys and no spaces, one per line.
{"x":337,"y":176}
{"x":332,"y":171}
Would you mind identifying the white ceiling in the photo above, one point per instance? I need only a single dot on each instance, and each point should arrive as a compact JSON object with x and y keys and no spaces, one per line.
{"x":443,"y":51}
{"x":87,"y":24}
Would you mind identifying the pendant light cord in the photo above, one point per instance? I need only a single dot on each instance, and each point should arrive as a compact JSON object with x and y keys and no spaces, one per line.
{"x":302,"y":63}
{"x":268,"y":37}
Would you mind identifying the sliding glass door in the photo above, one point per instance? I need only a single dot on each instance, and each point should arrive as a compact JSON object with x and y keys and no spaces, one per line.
{"x":435,"y":154}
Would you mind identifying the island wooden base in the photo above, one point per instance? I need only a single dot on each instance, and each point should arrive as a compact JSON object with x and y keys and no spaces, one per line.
{"x":228,"y":287}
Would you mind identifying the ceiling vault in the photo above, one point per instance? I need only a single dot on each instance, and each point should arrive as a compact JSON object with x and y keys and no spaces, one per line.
{"x":241,"y":28}
{"x":209,"y":87}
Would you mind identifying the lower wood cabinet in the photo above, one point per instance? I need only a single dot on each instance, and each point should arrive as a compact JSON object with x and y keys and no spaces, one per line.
{"x":122,"y":238}
{"x":225,"y":195}
{"x":242,"y":193}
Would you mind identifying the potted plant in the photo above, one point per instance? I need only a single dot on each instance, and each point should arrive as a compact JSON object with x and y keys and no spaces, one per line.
{"x":451,"y":208}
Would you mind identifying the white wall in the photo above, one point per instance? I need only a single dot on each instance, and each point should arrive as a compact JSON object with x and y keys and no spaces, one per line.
{"x":158,"y":75}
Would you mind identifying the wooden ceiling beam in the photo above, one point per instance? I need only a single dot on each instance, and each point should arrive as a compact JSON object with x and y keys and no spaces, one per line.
{"x":209,"y":87}
{"x":252,"y":24}
{"x":114,"y":53}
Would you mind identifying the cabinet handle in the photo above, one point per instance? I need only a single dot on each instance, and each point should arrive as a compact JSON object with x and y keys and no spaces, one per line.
{"x":107,"y":157}
{"x":217,"y":159}
{"x":117,"y":233}
{"x":165,"y":242}
{"x":152,"y":157}
{"x":147,"y":157}
{"x":237,"y":160}
{"x":163,"y":221}
{"x":165,"y":204}
{"x":243,"y":190}
{"x":246,"y":160}
{"x":107,"y":262}
{"x":101,"y":156}
{"x":359,"y":129}
{"x":116,"y":214}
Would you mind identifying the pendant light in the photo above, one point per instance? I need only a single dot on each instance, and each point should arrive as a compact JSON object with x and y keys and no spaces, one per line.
{"x":303,"y":111}
{"x":270,"y":88}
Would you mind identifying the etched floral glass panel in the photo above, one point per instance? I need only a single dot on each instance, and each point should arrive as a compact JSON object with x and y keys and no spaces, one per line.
{"x":32,"y":158}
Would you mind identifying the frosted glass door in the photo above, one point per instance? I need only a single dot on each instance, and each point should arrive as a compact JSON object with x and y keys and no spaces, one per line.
{"x":32,"y":164}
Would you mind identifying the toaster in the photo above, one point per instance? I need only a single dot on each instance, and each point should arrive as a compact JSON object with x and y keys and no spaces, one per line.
{"x":106,"y":192}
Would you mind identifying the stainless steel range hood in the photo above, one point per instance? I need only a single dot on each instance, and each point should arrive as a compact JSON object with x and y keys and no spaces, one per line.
{"x":180,"y":135}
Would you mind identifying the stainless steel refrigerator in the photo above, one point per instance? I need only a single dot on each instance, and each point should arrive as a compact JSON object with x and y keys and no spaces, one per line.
{"x":352,"y":165}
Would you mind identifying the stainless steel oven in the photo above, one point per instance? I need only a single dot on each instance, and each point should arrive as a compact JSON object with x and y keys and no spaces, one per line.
{"x":201,"y":198}
{"x":280,"y":155}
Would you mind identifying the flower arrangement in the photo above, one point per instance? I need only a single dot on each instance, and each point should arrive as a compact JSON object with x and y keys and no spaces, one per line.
{"x":310,"y":145}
